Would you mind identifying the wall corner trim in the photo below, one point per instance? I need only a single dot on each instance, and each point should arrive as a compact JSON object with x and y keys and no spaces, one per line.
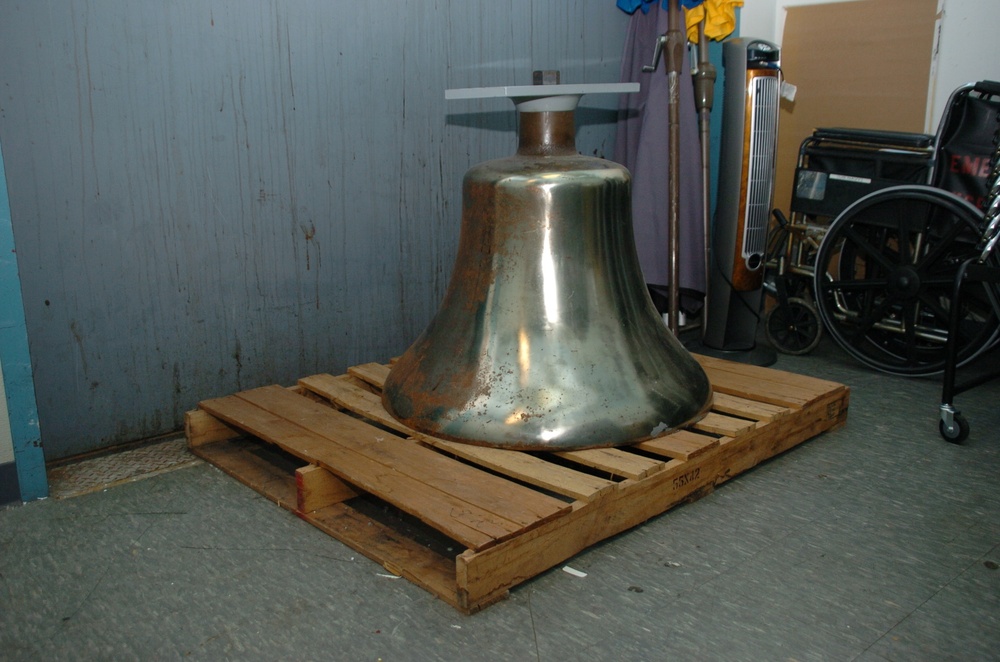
{"x":15,"y":364}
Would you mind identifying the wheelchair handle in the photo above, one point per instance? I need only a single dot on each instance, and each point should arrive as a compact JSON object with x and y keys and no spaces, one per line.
{"x":987,"y":87}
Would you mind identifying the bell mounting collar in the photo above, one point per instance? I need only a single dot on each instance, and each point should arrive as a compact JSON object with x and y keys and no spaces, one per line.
{"x":541,"y":98}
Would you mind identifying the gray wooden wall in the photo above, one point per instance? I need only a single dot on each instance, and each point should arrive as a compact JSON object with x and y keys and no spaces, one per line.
{"x":212,"y":195}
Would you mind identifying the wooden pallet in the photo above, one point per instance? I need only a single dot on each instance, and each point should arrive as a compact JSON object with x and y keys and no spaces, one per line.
{"x":468,"y":523}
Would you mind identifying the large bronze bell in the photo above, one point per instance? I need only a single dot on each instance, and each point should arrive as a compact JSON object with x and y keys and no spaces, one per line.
{"x":547,"y":338}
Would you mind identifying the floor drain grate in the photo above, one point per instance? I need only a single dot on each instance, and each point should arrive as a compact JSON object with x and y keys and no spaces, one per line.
{"x":98,"y":473}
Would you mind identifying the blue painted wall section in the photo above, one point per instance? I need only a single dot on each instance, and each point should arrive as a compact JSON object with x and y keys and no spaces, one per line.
{"x":210,"y":196}
{"x":18,"y":381}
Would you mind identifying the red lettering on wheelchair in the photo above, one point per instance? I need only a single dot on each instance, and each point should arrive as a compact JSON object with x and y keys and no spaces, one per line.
{"x":965,"y":164}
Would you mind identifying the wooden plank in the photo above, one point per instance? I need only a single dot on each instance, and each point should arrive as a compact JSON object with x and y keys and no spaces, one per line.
{"x":531,"y":469}
{"x":371,"y":373}
{"x":616,"y":462}
{"x":680,"y":445}
{"x":344,"y":392}
{"x":747,"y":408}
{"x":763,"y":384}
{"x":360,"y":383}
{"x":317,"y":488}
{"x":200,"y":427}
{"x":774,"y":383}
{"x":724,"y":425}
{"x":747,"y":387}
{"x":814,"y":385}
{"x":471,"y":526}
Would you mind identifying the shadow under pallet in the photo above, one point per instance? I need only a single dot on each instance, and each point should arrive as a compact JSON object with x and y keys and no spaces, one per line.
{"x":468,"y":523}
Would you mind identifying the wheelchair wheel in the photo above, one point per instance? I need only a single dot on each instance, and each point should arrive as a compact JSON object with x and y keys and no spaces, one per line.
{"x":794,"y":327}
{"x":957,"y":432}
{"x":884,"y":280}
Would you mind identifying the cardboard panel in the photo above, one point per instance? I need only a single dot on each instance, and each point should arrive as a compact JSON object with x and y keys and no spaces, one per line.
{"x":863,"y":64}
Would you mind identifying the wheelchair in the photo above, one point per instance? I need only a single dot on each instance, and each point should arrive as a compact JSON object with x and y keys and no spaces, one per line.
{"x":981,"y":268}
{"x":880,"y":225}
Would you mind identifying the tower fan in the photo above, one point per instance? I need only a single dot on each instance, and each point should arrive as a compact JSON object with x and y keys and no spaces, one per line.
{"x":745,"y":192}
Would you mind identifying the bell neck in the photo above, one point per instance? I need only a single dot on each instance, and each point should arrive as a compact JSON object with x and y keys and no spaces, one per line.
{"x":546,"y":133}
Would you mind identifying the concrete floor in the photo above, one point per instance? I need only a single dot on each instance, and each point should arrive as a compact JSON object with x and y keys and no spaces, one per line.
{"x":878,"y":541}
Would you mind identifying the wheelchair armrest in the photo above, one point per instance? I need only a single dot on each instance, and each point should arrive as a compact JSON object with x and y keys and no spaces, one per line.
{"x":876,"y":137}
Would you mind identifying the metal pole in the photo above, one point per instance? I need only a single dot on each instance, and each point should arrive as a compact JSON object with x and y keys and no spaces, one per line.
{"x":674,"y":48}
{"x":704,"y":92}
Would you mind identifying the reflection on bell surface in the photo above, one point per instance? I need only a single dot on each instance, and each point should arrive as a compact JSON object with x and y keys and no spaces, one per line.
{"x":547,"y":338}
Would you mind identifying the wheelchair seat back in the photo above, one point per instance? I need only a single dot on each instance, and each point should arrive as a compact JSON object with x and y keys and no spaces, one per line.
{"x":966,"y":139}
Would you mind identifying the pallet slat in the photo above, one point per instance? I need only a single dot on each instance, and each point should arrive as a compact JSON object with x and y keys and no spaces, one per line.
{"x":507,"y":510}
{"x":470,"y":523}
{"x":343,"y":392}
{"x":744,"y":408}
{"x":531,"y":469}
{"x":767,"y":385}
{"x":724,"y":425}
{"x":372,"y":373}
{"x":613,"y":461}
{"x":680,"y":445}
